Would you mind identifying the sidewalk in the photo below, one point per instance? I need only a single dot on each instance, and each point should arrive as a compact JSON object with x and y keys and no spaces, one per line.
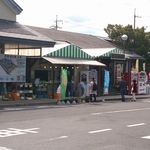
{"x":4,"y":103}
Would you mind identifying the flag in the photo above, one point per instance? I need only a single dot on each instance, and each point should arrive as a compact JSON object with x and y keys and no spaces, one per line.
{"x":137,"y":65}
{"x":106,"y":81}
{"x":64,"y":81}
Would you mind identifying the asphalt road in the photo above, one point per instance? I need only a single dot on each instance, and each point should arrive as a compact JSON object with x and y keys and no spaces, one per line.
{"x":94,"y":126}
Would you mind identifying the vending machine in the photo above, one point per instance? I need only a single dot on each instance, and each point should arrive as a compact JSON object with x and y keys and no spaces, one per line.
{"x":88,"y":75}
{"x":85,"y":77}
{"x":142,"y":79}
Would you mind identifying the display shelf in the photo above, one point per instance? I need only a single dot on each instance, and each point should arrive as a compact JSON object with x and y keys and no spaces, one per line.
{"x":26,"y":91}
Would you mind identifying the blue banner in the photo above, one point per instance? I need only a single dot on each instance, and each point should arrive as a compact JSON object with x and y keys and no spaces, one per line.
{"x":106,"y":81}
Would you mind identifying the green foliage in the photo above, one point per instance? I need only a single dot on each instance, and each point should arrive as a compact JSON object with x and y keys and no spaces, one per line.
{"x":138,"y":40}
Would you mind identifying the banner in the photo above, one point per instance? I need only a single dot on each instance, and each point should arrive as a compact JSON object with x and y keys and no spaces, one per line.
{"x":64,"y":81}
{"x":137,"y":65}
{"x":106,"y":81}
{"x":12,"y":68}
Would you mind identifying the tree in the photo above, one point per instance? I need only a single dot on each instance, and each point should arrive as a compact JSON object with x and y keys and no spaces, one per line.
{"x":138,"y":40}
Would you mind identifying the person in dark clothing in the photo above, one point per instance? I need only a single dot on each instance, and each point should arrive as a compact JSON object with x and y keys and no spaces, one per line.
{"x":70,"y":89}
{"x":123,"y":89}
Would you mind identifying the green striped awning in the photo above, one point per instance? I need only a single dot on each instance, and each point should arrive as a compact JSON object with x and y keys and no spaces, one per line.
{"x":70,"y":51}
{"x":113,"y":51}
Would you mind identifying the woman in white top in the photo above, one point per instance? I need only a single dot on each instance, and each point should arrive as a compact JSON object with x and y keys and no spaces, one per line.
{"x":93,"y":90}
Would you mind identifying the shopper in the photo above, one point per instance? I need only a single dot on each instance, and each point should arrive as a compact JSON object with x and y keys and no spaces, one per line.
{"x":93,"y":90}
{"x":122,"y":89}
{"x":134,"y":90}
{"x":70,"y":89}
{"x":82,"y":89}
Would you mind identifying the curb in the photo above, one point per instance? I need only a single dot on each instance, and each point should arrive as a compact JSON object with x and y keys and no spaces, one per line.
{"x":65,"y":102}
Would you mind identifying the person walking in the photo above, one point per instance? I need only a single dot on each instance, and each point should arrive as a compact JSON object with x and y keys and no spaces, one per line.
{"x":134,"y":90}
{"x":81,"y":89}
{"x":122,"y":89}
{"x":93,"y":90}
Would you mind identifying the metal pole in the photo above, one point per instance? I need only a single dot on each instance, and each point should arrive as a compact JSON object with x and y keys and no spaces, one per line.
{"x":134,"y":18}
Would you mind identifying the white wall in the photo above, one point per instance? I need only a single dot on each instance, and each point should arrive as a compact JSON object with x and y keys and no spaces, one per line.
{"x":6,"y":13}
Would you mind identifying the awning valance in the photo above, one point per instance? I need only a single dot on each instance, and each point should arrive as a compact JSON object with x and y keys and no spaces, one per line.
{"x":101,"y":52}
{"x":73,"y":61}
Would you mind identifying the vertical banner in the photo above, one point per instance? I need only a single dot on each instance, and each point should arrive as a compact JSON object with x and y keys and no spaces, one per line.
{"x":106,"y":81}
{"x":64,"y":81}
{"x":144,"y":66}
{"x":137,"y":65}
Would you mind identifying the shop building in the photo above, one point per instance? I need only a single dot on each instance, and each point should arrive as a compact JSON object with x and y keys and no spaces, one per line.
{"x":118,"y":61}
{"x":98,"y":48}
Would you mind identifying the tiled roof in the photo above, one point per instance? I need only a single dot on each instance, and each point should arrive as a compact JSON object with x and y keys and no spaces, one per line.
{"x":13,"y":31}
{"x":13,"y":27}
{"x":81,"y":40}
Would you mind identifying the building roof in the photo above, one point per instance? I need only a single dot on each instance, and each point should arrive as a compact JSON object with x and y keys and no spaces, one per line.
{"x":13,"y":6}
{"x":132,"y":55}
{"x":90,"y":44}
{"x":83,"y":41}
{"x":11,"y":31}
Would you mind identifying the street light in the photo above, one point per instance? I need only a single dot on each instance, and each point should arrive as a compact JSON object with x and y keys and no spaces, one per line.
{"x":124,"y":38}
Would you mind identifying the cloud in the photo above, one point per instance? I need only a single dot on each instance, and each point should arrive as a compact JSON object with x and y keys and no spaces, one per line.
{"x":90,"y":16}
{"x":78,"y":19}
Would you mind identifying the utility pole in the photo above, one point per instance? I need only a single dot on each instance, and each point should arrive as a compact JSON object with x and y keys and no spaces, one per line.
{"x":135,"y":16}
{"x":56,"y":26}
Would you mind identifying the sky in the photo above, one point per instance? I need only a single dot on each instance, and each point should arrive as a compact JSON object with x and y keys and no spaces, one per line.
{"x":84,"y":16}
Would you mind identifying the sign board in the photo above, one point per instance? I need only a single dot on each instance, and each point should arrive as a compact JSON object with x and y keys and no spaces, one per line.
{"x":12,"y":68}
{"x":118,"y":56}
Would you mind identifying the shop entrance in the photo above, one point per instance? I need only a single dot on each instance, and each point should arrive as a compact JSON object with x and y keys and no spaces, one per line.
{"x":41,"y":74}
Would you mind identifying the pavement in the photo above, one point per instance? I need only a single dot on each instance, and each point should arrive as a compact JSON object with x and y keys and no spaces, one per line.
{"x":106,"y":98}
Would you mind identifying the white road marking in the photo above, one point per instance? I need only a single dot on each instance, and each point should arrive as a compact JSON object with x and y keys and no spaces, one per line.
{"x":4,"y":148}
{"x":146,"y":101}
{"x":14,"y":131}
{"x":97,"y":131}
{"x":120,"y":111}
{"x":146,"y":137}
{"x":11,"y":109}
{"x":135,"y":125}
{"x":58,"y":138}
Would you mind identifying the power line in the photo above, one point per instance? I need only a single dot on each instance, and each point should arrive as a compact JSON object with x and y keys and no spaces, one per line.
{"x":135,"y":16}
